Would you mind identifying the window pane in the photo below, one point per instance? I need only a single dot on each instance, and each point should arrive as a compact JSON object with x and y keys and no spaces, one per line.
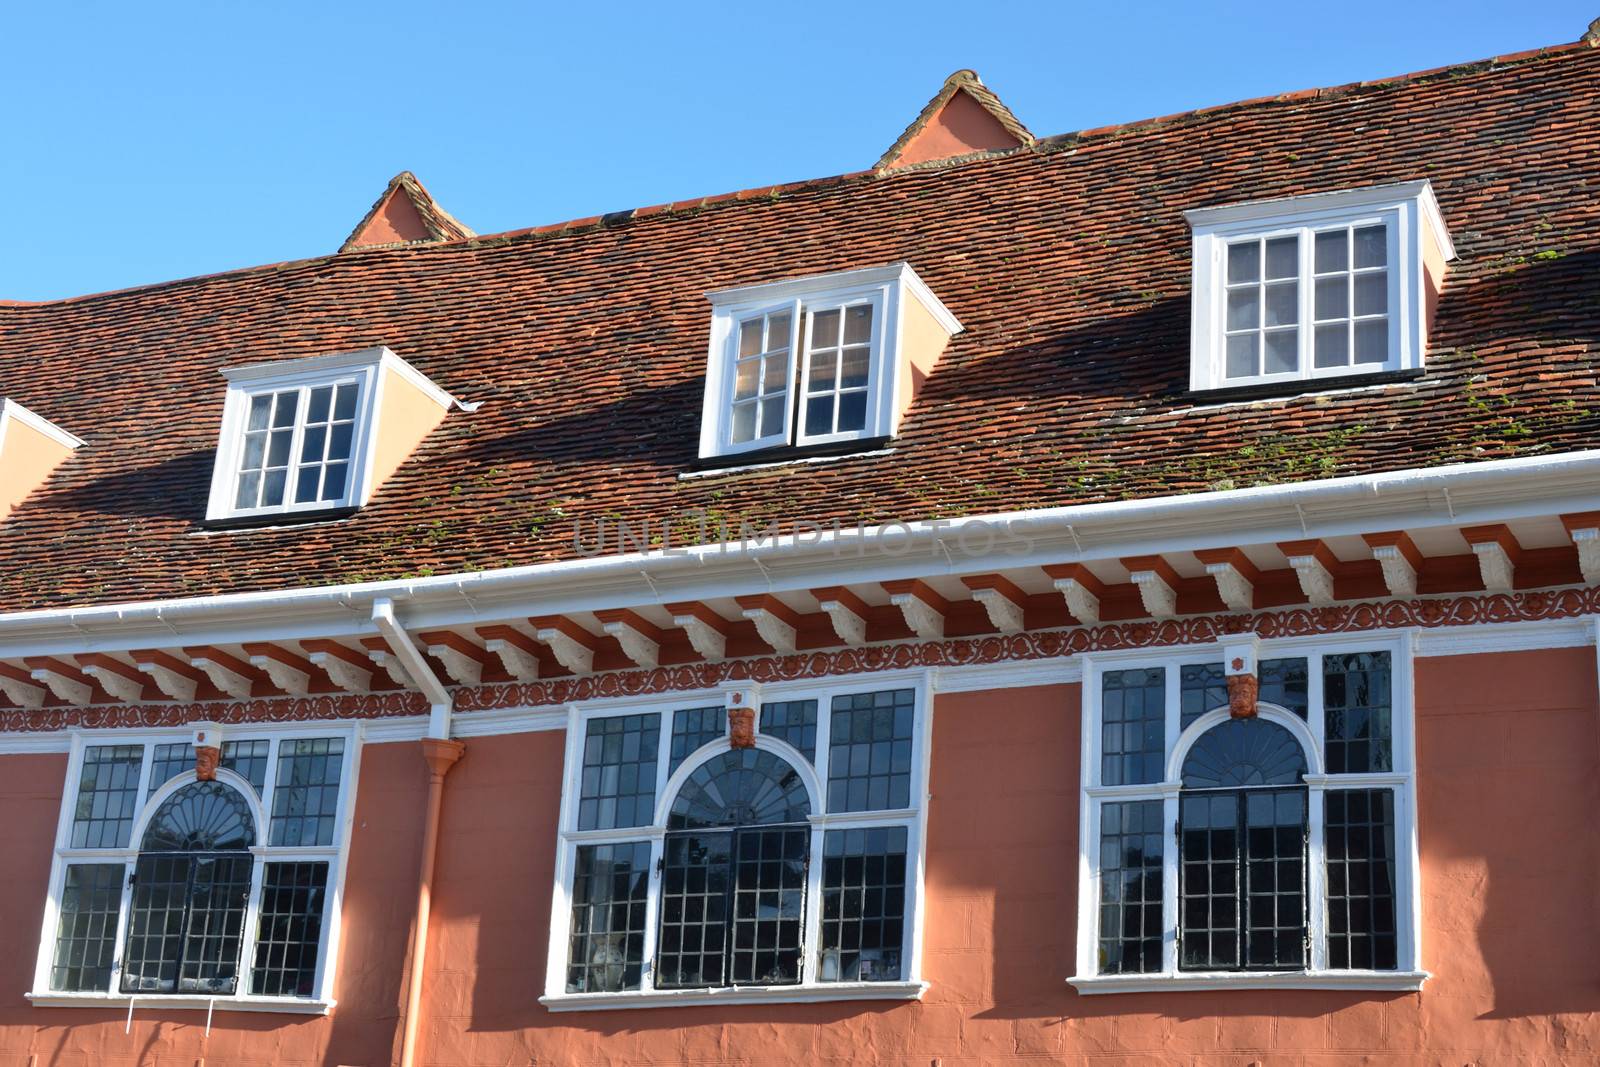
{"x":272,"y":489}
{"x":819,"y":415}
{"x":1283,"y":257}
{"x":1372,"y":246}
{"x":1333,"y":297}
{"x":156,"y":923}
{"x":775,"y":374}
{"x":1202,"y":687}
{"x":108,"y":796}
{"x":744,"y":379}
{"x":289,"y":936}
{"x":769,"y":895}
{"x":741,"y":787}
{"x":345,"y":406}
{"x":779,"y":327}
{"x":313,"y":444}
{"x":858,"y":325}
{"x":1133,"y":726}
{"x":255,"y":451}
{"x":321,"y":402}
{"x":1244,"y":262}
{"x":333,"y":481}
{"x":693,"y":934}
{"x":1283,"y":304}
{"x":1333,"y":345}
{"x":1244,"y":752}
{"x":618,"y":786}
{"x":1283,"y":351}
{"x":772,"y":412}
{"x":744,"y":422}
{"x":750,"y":337}
{"x":247,"y":759}
{"x":1355,"y":697}
{"x":1361,"y":879}
{"x":260,"y":409}
{"x":287,"y":404}
{"x":794,"y":722}
{"x":694,"y":727}
{"x":184,"y":923}
{"x":1283,"y":682}
{"x":306,"y":484}
{"x":201,"y":817}
{"x":853,"y":369}
{"x":824,"y":367}
{"x":1332,"y":251}
{"x":1274,"y":880}
{"x":278,"y":450}
{"x":1242,"y":355}
{"x":1372,"y":341}
{"x":219,"y":891}
{"x":1131,"y":923}
{"x":305,"y":797}
{"x":167,"y":762}
{"x":1372,"y":293}
{"x":1208,"y":881}
{"x":863,"y":904}
{"x":249,"y":486}
{"x":869,"y":751}
{"x":825,"y":329}
{"x":86,"y":936}
{"x":1244,"y":308}
{"x":852,"y":411}
{"x":610,"y":887}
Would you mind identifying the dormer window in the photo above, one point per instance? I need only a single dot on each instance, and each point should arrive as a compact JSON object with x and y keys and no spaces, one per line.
{"x":1315,"y":287}
{"x":318,"y":435}
{"x":818,"y":361}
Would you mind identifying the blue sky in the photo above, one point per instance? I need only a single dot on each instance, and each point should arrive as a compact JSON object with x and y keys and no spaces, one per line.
{"x":150,"y":141}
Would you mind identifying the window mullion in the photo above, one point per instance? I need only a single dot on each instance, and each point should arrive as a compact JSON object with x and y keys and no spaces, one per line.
{"x":811,"y":928}
{"x":1316,"y":878}
{"x":1305,"y":343}
{"x":291,"y":473}
{"x":652,"y":912}
{"x":799,"y":367}
{"x":251,"y":920}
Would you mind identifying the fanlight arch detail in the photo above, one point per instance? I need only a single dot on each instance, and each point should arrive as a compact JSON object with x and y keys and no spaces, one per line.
{"x":201,"y":817}
{"x":740,"y":787}
{"x":1238,"y":753}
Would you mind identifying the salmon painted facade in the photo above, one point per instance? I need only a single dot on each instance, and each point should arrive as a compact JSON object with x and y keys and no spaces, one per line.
{"x":1123,"y":597}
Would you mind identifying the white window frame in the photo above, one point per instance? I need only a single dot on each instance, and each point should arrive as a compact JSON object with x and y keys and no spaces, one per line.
{"x":367,"y":368}
{"x":335,"y":855}
{"x":1408,"y":973}
{"x":885,"y":288}
{"x":809,"y":989}
{"x":1409,"y":213}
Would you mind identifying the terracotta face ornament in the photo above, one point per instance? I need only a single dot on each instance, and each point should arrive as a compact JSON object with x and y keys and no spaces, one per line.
{"x":741,"y":721}
{"x":207,"y":753}
{"x":1243,"y":684}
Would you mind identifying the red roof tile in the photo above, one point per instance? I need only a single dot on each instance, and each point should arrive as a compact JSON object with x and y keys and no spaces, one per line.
{"x":1068,"y":264}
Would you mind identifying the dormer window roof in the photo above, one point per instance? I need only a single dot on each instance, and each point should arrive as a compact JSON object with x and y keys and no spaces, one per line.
{"x":825,"y":360}
{"x":312,"y":436}
{"x":1311,"y":287}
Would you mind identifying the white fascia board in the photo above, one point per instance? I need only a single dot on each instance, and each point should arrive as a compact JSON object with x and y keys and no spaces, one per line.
{"x":294,"y":370}
{"x":1491,"y":491}
{"x":900,"y":273}
{"x":1315,"y":205}
{"x":10,"y":409}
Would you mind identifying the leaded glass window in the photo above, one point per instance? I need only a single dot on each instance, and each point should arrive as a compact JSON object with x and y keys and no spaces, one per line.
{"x":793,"y":722}
{"x":1359,"y":833}
{"x":1261,"y":843}
{"x":86,"y":935}
{"x":869,"y":751}
{"x":619,"y":772}
{"x":108,"y":796}
{"x":1356,"y":694}
{"x":305,"y":801}
{"x":1131,"y":855}
{"x":863,"y":904}
{"x":610,"y":890}
{"x":1133,"y":726}
{"x":289,"y":937}
{"x":693,"y":728}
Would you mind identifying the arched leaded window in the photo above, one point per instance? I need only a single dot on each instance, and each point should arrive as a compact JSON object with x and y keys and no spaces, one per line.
{"x":1282,"y":841}
{"x":170,"y":886}
{"x":1242,"y":849}
{"x":191,"y":888}
{"x":688,"y":864}
{"x":733,"y":880}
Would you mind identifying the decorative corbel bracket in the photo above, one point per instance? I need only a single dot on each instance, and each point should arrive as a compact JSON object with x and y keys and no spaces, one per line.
{"x":122,"y":681}
{"x":776,"y":622}
{"x":1001,"y":600}
{"x":229,"y":674}
{"x":1584,"y":529}
{"x":346,"y":668}
{"x":639,"y":638}
{"x":462,"y":658}
{"x":924,"y":609}
{"x":1157,"y":583}
{"x":175,"y":678}
{"x":19,"y":687}
{"x":66,"y":683}
{"x":1497,"y":550}
{"x":287,"y":671}
{"x":1081,"y":589}
{"x":519,"y":653}
{"x":572,"y":645}
{"x":846,"y":611}
{"x":384,"y":659}
{"x":1314,"y":564}
{"x":1235,"y":575}
{"x":707,"y":631}
{"x":1400,"y":559}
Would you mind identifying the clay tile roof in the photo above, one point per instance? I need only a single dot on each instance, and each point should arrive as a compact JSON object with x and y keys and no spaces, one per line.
{"x":405,"y":213}
{"x":1068,"y":265}
{"x":1009,"y":132}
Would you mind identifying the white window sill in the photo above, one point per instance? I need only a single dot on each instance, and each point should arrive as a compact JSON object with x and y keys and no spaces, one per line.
{"x":666,"y":998}
{"x":181,"y":1002}
{"x":1377,"y":981}
{"x":796,"y":461}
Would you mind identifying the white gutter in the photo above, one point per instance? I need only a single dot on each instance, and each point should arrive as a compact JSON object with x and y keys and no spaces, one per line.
{"x":1491,"y":491}
{"x":405,"y":650}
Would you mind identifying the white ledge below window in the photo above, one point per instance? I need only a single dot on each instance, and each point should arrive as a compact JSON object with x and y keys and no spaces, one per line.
{"x":1376,"y":981}
{"x":181,"y":1002}
{"x":778,"y":994}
